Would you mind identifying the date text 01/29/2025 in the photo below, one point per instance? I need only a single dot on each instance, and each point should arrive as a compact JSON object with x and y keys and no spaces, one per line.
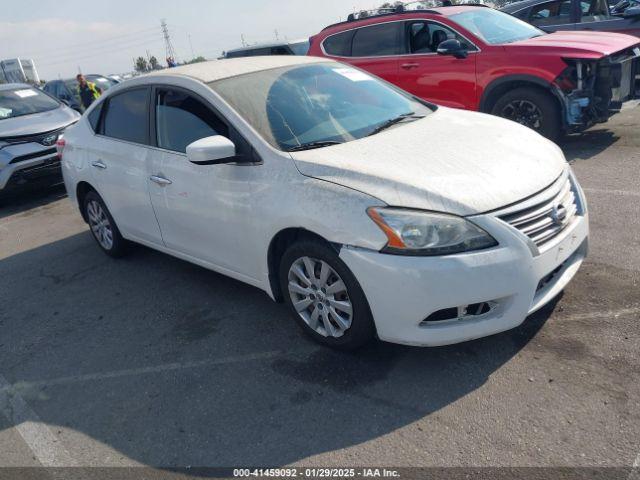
{"x":316,"y":473}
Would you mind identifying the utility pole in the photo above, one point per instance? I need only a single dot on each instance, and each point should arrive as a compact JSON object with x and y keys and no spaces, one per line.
{"x":277,"y":36}
{"x":171,"y":53}
{"x":193,"y":55}
{"x":244,"y":44}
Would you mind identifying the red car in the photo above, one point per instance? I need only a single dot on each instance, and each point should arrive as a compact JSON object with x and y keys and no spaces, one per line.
{"x":478,"y":58}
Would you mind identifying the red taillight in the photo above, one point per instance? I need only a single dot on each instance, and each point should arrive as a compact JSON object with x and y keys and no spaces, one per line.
{"x":60,"y":144}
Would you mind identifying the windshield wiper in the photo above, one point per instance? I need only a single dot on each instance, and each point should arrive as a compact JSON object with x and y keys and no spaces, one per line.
{"x":395,"y":120}
{"x":312,"y":145}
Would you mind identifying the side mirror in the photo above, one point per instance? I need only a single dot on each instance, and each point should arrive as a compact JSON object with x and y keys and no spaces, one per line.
{"x":212,"y":151}
{"x":453,"y":47}
{"x":632,"y":12}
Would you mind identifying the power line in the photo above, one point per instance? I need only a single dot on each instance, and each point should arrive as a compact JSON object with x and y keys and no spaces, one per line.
{"x":110,"y":51}
{"x":105,"y":49}
{"x":106,"y":45}
{"x":83,"y":45}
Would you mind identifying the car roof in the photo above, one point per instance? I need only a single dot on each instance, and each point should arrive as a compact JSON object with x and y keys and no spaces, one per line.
{"x":232,"y":67}
{"x":393,"y":16}
{"x":13,"y":86}
{"x":519,"y":5}
{"x":60,"y":80}
{"x":258,"y":46}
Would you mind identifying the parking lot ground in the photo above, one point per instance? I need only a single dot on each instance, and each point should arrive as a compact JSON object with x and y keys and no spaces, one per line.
{"x":152,"y":361}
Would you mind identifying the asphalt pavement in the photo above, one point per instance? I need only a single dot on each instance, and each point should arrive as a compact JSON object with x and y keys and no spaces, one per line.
{"x":150,"y":360}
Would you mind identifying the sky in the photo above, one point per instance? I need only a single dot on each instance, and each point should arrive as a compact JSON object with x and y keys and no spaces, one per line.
{"x":103,"y":36}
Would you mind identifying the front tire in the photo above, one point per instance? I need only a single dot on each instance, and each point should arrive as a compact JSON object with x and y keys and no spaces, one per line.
{"x":103,"y":227}
{"x":532,"y":108}
{"x":324,"y":297}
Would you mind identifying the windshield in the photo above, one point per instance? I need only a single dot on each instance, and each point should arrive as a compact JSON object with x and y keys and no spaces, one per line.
{"x":300,"y":48}
{"x":311,"y":104}
{"x":24,"y":101}
{"x":72,"y":86}
{"x":495,"y":27}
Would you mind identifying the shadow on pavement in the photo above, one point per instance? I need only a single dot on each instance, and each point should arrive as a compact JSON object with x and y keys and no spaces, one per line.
{"x":230,"y":379}
{"x":12,"y":203}
{"x":582,"y":146}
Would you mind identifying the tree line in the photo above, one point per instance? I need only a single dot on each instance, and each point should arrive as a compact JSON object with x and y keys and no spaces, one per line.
{"x":144,"y":65}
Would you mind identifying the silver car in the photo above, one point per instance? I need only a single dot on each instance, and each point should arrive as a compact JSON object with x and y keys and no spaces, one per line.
{"x":30,"y":124}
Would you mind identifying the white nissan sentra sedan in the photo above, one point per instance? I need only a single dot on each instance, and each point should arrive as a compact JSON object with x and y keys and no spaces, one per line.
{"x":369,"y":212}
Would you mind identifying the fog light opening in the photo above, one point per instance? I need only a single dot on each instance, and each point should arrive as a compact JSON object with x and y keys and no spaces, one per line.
{"x":464,"y":312}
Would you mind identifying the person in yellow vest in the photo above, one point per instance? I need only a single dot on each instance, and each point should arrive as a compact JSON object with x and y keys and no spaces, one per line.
{"x":87,"y":91}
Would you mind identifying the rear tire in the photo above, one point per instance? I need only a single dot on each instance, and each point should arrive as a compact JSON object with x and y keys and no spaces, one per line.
{"x":532,"y":108}
{"x":103,"y":227}
{"x":328,"y":302}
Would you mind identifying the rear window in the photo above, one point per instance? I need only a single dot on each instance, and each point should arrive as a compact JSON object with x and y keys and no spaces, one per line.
{"x":24,"y":101}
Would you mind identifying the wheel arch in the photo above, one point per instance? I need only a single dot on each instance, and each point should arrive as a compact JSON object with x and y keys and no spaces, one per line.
{"x":502,"y":85}
{"x":279,"y":244}
{"x":81,"y":192}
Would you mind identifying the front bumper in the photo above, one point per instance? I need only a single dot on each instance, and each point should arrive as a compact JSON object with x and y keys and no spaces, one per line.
{"x":513,"y":279}
{"x":603,"y":87}
{"x":27,"y":163}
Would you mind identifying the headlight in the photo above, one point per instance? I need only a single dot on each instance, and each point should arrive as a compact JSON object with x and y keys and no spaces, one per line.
{"x":414,"y":232}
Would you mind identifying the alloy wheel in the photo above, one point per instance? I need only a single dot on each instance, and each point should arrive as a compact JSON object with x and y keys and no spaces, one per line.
{"x":523,"y":112}
{"x":100,"y":224}
{"x":320,"y":297}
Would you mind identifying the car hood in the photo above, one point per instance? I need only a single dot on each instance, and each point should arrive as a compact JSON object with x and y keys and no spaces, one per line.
{"x":37,"y":123}
{"x":452,"y":161}
{"x":581,"y":44}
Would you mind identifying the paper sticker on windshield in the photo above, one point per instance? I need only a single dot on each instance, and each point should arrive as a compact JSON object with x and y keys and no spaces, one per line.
{"x":353,"y":75}
{"x":25,"y":93}
{"x":637,"y":51}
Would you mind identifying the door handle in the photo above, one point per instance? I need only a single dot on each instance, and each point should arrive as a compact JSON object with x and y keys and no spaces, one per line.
{"x":163,"y":182}
{"x":409,"y":66}
{"x":99,"y":164}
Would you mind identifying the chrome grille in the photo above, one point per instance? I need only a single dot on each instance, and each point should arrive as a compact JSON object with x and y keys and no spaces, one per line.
{"x":39,"y":138}
{"x":545,"y":221}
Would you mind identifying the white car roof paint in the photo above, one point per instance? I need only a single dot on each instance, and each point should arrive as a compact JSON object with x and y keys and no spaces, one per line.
{"x":220,"y":69}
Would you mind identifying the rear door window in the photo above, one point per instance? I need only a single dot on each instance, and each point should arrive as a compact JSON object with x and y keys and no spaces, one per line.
{"x":551,"y":13}
{"x":377,"y":40}
{"x":593,"y":10}
{"x":127,"y":116}
{"x":94,"y":117}
{"x":339,"y":44}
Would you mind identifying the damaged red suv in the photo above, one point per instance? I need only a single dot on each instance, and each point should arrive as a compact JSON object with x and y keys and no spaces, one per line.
{"x":478,"y":58}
